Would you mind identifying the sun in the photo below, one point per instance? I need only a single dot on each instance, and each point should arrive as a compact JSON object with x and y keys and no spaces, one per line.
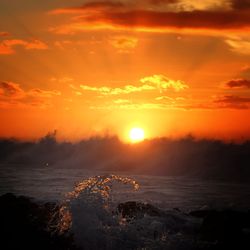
{"x":136,"y":135}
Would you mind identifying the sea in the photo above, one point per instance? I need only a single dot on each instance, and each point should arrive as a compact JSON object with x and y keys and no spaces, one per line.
{"x":49,"y":183}
{"x":95,"y":195}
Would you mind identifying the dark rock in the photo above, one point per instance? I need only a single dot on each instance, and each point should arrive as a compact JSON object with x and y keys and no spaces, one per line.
{"x":221,"y":224}
{"x":133,"y":209}
{"x":227,"y":228}
{"x":201,"y":213}
{"x":24,"y":225}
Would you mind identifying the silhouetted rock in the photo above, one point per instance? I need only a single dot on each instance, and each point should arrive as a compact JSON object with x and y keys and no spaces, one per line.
{"x":201,"y":213}
{"x":24,"y":225}
{"x":133,"y":209}
{"x":226,"y":228}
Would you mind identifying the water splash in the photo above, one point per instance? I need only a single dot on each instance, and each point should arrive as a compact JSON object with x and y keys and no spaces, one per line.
{"x":90,"y":214}
{"x":95,"y":191}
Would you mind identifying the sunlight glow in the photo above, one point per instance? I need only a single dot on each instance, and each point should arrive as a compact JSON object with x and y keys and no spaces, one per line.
{"x":136,"y":135}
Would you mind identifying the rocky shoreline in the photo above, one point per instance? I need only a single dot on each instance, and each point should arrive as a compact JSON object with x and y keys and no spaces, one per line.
{"x":25,"y":225}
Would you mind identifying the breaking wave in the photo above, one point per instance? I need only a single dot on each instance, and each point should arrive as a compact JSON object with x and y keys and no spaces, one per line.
{"x":97,"y":221}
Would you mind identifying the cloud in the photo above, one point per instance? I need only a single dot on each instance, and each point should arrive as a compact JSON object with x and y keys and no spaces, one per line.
{"x":152,"y":83}
{"x":193,"y":20}
{"x":12,"y":95}
{"x":170,"y":5}
{"x":6,"y":50}
{"x":161,"y":98}
{"x":35,"y":44}
{"x":241,"y":4}
{"x":131,"y":106}
{"x":169,"y":99}
{"x":10,"y":89}
{"x":7,"y":46}
{"x":239,"y":44}
{"x":168,"y":103}
{"x":157,"y":2}
{"x":172,"y":16}
{"x":238,"y":83}
{"x":121,"y":101}
{"x":233,"y":101}
{"x":117,"y":91}
{"x":90,"y":6}
{"x":158,"y":103}
{"x":219,"y":102}
{"x":191,"y":5}
{"x":4,"y":33}
{"x":43,"y":93}
{"x":194,"y":106}
{"x":163,"y":83}
{"x":124,"y":44}
{"x":75,"y":90}
{"x":245,"y":72}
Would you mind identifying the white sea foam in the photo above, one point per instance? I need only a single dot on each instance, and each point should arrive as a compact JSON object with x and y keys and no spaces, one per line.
{"x":89,"y":213}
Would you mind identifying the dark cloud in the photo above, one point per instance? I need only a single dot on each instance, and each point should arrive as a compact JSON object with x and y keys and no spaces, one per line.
{"x":112,"y":5}
{"x":10,"y":89}
{"x":220,"y":102}
{"x":233,"y":101}
{"x":100,"y":5}
{"x":119,"y":16}
{"x":238,"y":83}
{"x":103,"y":4}
{"x":193,"y":20}
{"x":199,"y":106}
{"x":241,"y":4}
{"x":11,"y":94}
{"x":156,"y":2}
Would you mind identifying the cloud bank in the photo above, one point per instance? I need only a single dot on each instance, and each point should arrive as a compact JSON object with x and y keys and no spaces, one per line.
{"x":157,"y":16}
{"x":152,"y":83}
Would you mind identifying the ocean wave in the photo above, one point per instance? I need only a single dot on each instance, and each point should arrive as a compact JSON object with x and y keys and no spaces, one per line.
{"x":91,"y":217}
{"x":97,"y":221}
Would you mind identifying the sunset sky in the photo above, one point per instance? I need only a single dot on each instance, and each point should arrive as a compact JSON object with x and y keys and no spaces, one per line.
{"x":86,"y":68}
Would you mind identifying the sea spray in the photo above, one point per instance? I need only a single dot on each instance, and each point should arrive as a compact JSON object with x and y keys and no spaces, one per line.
{"x":96,"y":221}
{"x":89,"y":213}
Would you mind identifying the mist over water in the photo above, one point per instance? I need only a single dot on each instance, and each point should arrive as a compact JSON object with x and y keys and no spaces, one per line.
{"x":206,"y":159}
{"x":181,"y":173}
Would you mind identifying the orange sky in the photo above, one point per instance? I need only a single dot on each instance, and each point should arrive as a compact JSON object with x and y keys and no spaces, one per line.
{"x":172,"y":67}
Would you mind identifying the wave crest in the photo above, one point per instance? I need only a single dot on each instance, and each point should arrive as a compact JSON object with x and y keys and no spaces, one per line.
{"x":94,"y":192}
